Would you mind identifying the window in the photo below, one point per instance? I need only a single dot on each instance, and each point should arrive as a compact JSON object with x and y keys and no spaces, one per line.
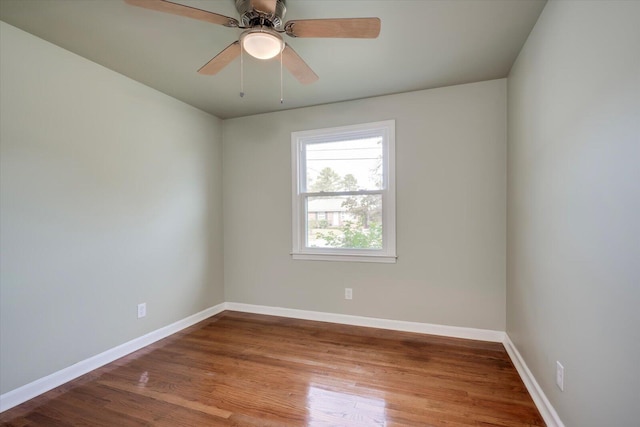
{"x":344,"y":193}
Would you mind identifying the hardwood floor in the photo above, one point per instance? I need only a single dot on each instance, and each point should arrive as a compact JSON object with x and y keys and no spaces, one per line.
{"x":238,"y":369}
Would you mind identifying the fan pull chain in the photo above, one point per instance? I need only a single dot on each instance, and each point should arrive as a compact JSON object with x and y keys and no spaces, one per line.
{"x":241,"y":71}
{"x":281,"y":82}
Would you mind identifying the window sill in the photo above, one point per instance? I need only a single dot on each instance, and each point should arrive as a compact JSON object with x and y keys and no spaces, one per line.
{"x":386,"y":259}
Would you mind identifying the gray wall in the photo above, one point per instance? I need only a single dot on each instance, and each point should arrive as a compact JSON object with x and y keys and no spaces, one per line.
{"x":110,"y":196}
{"x":573,"y":283}
{"x":451,"y":211}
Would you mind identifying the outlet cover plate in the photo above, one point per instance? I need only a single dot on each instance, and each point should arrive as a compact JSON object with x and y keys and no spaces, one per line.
{"x":560,"y":375}
{"x":142,"y":310}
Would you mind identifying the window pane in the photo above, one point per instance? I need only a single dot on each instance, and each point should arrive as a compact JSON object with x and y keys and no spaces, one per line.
{"x":344,"y":165}
{"x":353,"y":222}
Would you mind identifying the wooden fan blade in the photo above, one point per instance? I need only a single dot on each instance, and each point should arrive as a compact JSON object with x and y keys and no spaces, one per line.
{"x":297,"y":67}
{"x":182,"y":10}
{"x":221,"y":60}
{"x":265,"y":6}
{"x":358,"y":28}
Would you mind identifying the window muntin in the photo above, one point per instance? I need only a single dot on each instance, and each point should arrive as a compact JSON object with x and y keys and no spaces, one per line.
{"x":344,"y":193}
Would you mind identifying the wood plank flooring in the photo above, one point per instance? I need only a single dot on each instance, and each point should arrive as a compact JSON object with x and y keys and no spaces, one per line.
{"x":238,"y":369}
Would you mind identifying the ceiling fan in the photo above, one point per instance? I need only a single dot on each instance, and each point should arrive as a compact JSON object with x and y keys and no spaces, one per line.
{"x":262,"y":22}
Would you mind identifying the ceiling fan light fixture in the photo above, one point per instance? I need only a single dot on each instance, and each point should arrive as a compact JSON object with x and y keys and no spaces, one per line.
{"x":262,"y":43}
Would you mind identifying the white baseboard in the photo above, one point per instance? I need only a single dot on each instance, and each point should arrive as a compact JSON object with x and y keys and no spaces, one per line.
{"x":372,"y":322}
{"x":29,"y":391}
{"x":547,"y":411}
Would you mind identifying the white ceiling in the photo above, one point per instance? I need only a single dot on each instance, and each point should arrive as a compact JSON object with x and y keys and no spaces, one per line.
{"x":423,"y":44}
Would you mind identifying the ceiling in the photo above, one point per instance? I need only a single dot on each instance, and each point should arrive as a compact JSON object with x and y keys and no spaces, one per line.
{"x":422,"y":44}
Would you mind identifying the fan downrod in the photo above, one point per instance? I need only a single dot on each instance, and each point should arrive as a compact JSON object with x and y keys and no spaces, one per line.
{"x":250,"y":17}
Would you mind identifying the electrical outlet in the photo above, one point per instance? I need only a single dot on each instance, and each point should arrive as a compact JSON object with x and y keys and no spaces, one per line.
{"x":560,"y":375}
{"x":142,"y":310}
{"x":348,"y":293}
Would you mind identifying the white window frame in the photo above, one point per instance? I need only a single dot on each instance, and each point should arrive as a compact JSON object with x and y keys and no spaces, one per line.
{"x":299,"y":140}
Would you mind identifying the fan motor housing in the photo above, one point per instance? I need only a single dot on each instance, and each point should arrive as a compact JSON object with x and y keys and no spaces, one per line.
{"x":250,"y":17}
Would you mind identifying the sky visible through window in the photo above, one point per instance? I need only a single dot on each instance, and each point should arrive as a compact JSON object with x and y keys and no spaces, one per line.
{"x":361,"y":158}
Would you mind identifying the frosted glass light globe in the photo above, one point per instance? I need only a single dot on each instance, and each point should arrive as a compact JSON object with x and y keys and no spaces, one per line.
{"x":262,"y":45}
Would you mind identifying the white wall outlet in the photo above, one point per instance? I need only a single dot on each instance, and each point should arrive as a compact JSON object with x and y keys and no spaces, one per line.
{"x":142,"y":310}
{"x":560,"y":375}
{"x":348,"y":293}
